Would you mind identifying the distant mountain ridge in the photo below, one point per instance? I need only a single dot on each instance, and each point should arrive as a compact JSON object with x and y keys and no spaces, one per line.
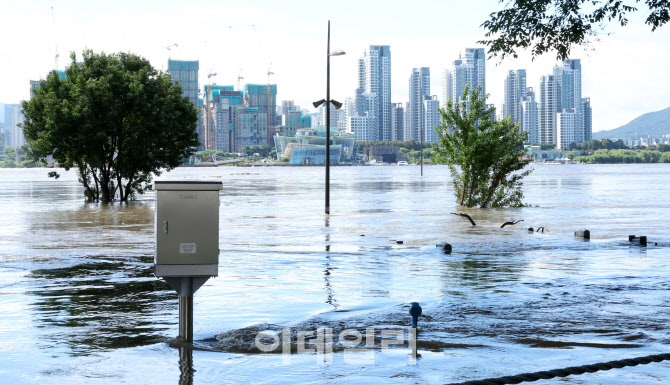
{"x":653,"y":124}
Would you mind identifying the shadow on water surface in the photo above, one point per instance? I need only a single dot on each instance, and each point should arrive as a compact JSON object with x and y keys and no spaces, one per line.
{"x":104,"y":303}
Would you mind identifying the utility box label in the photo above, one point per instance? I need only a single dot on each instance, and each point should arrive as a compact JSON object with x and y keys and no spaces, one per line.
{"x":187,"y":248}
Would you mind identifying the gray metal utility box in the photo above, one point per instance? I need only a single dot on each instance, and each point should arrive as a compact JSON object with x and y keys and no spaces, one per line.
{"x":187,"y":228}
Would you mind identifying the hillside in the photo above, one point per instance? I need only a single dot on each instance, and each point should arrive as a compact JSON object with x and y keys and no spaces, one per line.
{"x":652,"y":124}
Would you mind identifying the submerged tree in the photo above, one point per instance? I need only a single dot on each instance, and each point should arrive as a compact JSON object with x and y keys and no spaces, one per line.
{"x":113,"y":117}
{"x":484,"y":155}
{"x":557,"y":25}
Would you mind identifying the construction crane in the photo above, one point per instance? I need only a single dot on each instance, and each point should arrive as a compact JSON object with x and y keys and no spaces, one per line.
{"x":53,"y":20}
{"x":271,"y":116}
{"x":169,"y":48}
{"x":268,"y":92}
{"x":209,"y":136}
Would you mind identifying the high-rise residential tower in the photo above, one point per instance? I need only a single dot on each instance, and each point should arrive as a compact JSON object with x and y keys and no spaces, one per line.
{"x":549,"y":106}
{"x":431,"y":119}
{"x":588,"y":122}
{"x":528,"y":109}
{"x":515,"y":92}
{"x":447,"y":85}
{"x":398,"y":122}
{"x":186,"y":74}
{"x":566,"y":128}
{"x":8,"y":124}
{"x":419,"y":91}
{"x":377,"y":68}
{"x":264,"y":97}
{"x":572,"y":94}
{"x":469,"y":69}
{"x":18,"y":140}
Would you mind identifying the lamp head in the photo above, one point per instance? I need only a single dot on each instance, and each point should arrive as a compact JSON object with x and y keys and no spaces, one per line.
{"x":337,"y":52}
{"x":337,"y":104}
{"x":318,"y":103}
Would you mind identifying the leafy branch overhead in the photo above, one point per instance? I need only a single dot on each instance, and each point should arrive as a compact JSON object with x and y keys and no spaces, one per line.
{"x":557,"y":25}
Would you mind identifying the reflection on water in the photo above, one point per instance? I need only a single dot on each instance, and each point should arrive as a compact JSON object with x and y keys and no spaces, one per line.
{"x":81,"y":300}
{"x":108,"y":303}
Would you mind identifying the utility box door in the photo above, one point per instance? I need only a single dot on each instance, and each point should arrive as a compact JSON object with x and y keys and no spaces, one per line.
{"x":187,"y":223}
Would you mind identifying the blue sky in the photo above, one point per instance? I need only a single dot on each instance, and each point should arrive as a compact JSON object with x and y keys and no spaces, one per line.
{"x":624,"y":73}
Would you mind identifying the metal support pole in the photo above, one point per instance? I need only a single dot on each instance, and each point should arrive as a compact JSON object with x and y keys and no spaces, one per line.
{"x":186,"y":318}
{"x":421,"y":129}
{"x":328,"y":123}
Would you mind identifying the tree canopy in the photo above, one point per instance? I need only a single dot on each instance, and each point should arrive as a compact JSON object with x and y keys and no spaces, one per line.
{"x":557,"y":25}
{"x":483,"y":154}
{"x":113,"y":117}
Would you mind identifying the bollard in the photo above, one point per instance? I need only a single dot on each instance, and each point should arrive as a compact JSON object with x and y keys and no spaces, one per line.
{"x":583,"y":234}
{"x":415,"y":312}
{"x":446,"y":248}
{"x":642,"y":240}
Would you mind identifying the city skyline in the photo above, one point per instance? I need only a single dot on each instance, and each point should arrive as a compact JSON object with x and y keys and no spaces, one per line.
{"x":251,"y":38}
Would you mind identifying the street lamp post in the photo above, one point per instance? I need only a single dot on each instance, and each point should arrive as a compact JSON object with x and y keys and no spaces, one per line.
{"x":337,"y":105}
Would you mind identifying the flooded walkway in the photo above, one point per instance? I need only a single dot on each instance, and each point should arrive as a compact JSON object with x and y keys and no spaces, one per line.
{"x":82,"y":305}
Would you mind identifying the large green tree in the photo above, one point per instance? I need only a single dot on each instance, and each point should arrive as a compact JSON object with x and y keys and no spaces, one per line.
{"x":113,"y":117}
{"x":483,"y":154}
{"x":557,"y":25}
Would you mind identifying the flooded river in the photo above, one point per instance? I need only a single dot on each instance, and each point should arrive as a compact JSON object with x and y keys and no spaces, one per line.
{"x":79,"y":302}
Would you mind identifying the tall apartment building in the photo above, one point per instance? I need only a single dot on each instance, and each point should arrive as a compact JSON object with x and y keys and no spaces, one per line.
{"x":419,"y":91}
{"x":17,"y":138}
{"x":431,"y":119}
{"x":250,"y":128}
{"x":186,"y":74}
{"x":469,"y":69}
{"x":377,"y":68}
{"x":528,"y":109}
{"x":588,"y":120}
{"x":561,"y":92}
{"x":224,"y":105}
{"x":447,"y":85}
{"x":407,"y":133}
{"x":321,"y":116}
{"x":550,"y":96}
{"x":265,"y":100}
{"x":8,"y":124}
{"x":566,"y":128}
{"x":515,"y":92}
{"x":362,"y":108}
{"x":397,"y":122}
{"x":569,"y":77}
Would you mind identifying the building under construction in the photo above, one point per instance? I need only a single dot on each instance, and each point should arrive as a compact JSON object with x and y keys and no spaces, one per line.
{"x":264,"y":97}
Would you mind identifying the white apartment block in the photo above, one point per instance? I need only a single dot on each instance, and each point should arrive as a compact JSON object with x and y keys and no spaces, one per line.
{"x":566,"y":128}
{"x":528,"y":107}
{"x":431,"y":120}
